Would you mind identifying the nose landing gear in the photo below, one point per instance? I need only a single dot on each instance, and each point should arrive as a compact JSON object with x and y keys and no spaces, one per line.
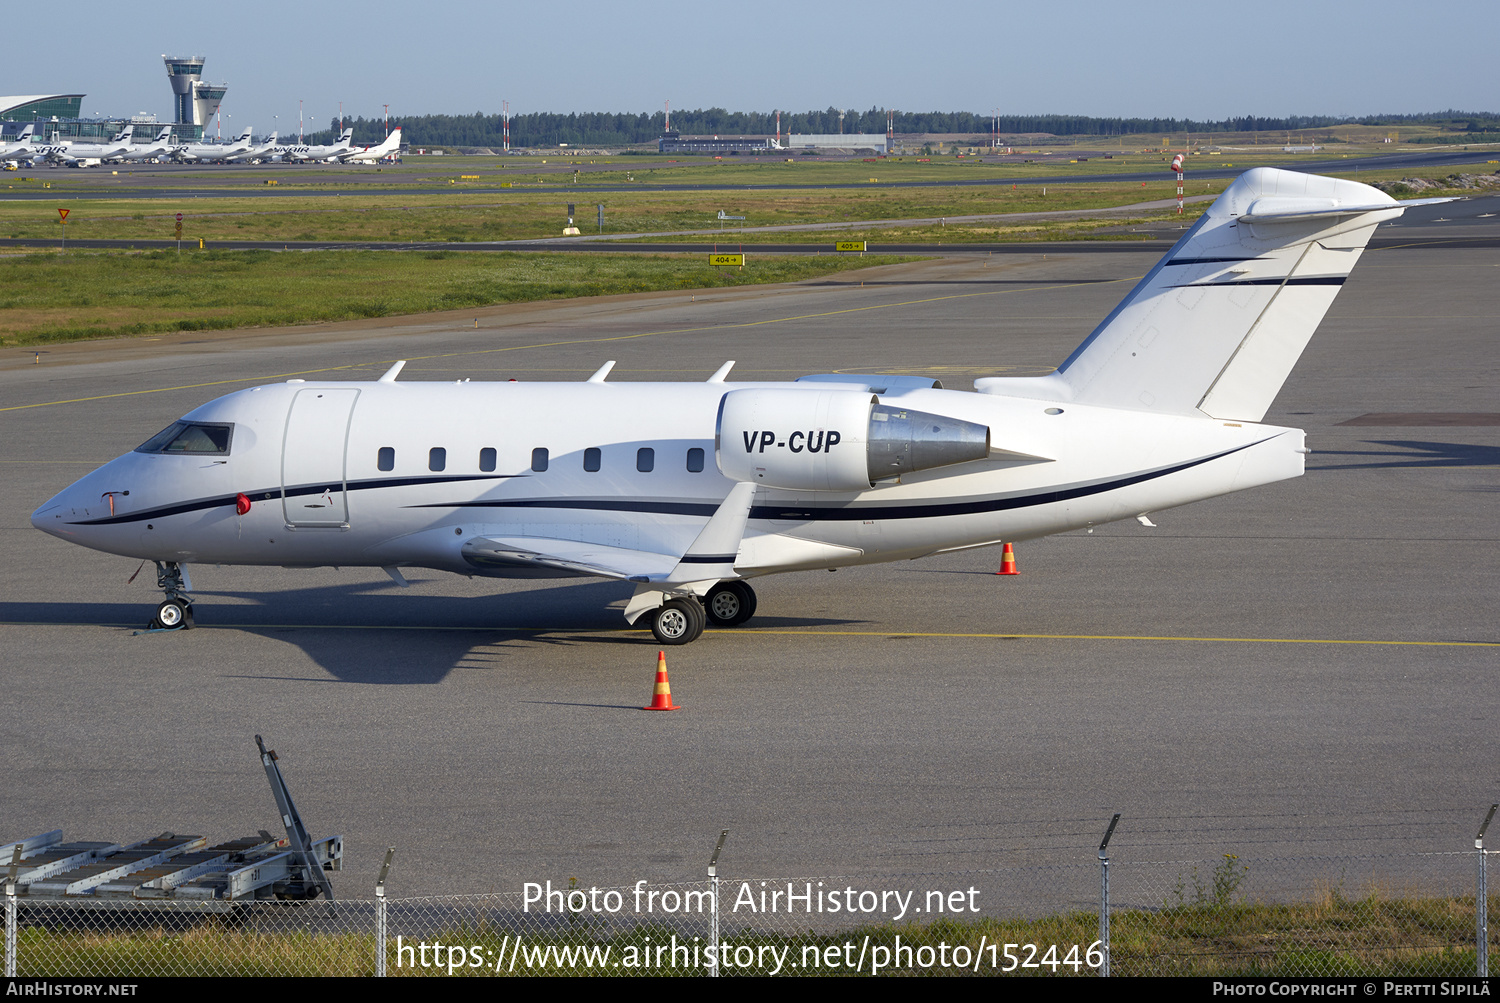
{"x":176,"y":611}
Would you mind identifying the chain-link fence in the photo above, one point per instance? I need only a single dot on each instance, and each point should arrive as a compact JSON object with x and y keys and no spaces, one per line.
{"x":1407,"y":916}
{"x":1396,"y":915}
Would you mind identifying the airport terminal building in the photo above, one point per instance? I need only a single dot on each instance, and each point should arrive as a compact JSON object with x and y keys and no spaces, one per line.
{"x":194,"y":104}
{"x":811,"y":143}
{"x":860,"y":142}
{"x":674,"y":143}
{"x":35,"y":107}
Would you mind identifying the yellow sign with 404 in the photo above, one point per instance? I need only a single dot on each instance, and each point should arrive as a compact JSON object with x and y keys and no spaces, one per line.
{"x":727,"y":260}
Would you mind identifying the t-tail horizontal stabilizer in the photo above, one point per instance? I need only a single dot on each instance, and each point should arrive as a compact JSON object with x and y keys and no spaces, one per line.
{"x":1216,"y":327}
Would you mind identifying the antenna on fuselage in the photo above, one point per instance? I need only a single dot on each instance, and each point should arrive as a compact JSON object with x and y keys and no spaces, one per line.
{"x":603,"y":372}
{"x":390,"y":374}
{"x":721,"y":372}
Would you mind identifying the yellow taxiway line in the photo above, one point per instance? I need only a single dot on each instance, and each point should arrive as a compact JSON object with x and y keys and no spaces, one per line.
{"x":800,"y":633}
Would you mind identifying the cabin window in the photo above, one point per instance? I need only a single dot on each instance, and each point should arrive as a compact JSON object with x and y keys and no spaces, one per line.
{"x":645,"y":459}
{"x":192,"y":438}
{"x":591,"y":459}
{"x":487,"y":459}
{"x":437,"y":458}
{"x":695,"y":460}
{"x":539,"y":459}
{"x":386,"y":458}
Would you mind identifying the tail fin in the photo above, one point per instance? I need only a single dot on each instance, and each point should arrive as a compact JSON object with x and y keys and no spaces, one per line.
{"x":1216,"y":327}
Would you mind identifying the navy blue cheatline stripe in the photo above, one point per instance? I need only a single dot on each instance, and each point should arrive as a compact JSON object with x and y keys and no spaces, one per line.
{"x":709,"y":558}
{"x":1210,"y":261}
{"x":1314,"y":280}
{"x":597,"y":504}
{"x":199,"y":504}
{"x":851,"y":512}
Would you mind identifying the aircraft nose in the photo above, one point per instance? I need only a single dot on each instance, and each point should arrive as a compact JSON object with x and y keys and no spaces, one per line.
{"x":50,"y":517}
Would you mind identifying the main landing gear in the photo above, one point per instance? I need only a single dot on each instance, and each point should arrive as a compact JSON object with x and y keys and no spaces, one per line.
{"x":681,"y":620}
{"x":176,"y":611}
{"x":729,"y":604}
{"x":678,"y":621}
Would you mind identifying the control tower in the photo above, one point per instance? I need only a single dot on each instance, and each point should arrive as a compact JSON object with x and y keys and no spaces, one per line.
{"x":193,"y":101}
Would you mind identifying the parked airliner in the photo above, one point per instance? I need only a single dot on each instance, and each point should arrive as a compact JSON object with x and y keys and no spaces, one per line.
{"x":689,"y":490}
{"x":214,"y":151}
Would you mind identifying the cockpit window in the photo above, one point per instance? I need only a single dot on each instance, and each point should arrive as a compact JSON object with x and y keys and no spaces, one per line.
{"x":190,"y":437}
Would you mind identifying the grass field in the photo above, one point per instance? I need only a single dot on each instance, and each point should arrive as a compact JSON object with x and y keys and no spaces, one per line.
{"x":528,"y":215}
{"x":50,"y":298}
{"x":47,"y":298}
{"x":328,"y":210}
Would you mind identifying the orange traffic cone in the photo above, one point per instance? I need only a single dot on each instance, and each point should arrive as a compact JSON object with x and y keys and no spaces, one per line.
{"x":661,"y":697}
{"x":1008,"y":562}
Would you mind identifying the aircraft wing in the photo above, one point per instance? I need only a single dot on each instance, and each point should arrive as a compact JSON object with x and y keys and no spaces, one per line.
{"x":566,"y":557}
{"x":710,"y":558}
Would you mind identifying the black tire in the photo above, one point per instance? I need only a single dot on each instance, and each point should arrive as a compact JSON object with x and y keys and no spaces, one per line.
{"x":173,"y":614}
{"x":729,"y":604}
{"x":678,"y":621}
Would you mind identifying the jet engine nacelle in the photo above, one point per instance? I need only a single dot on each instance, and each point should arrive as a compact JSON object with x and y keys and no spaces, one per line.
{"x":834,"y":440}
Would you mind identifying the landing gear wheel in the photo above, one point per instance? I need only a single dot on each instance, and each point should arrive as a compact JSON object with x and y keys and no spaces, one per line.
{"x":173,"y":614}
{"x":729,"y":604}
{"x":678,"y":621}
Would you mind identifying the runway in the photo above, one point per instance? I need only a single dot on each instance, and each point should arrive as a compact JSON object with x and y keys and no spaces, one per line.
{"x":1306,"y":668}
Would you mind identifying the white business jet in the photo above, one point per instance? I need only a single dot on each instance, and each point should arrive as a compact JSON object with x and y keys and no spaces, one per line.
{"x":390,"y":147}
{"x":688,"y":490}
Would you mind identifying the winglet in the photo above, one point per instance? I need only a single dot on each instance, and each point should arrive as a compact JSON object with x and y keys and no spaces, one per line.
{"x":599,"y":376}
{"x":390,"y":374}
{"x":717,"y":547}
{"x":721,"y":372}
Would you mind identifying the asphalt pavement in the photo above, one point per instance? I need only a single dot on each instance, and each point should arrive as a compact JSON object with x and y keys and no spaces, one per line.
{"x":1302,"y":669}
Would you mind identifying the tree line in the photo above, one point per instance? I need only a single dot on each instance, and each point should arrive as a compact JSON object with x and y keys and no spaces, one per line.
{"x":605,"y":129}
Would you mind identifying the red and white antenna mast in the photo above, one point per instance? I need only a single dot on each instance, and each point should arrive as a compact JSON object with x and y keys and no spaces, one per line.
{"x":386,"y":121}
{"x":668,"y":106}
{"x":505,"y":125}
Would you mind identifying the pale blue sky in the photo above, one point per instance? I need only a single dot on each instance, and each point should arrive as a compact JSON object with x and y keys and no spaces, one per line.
{"x":458,"y":56}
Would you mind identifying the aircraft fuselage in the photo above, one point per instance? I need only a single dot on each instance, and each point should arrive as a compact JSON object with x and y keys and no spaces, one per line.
{"x":404,"y":474}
